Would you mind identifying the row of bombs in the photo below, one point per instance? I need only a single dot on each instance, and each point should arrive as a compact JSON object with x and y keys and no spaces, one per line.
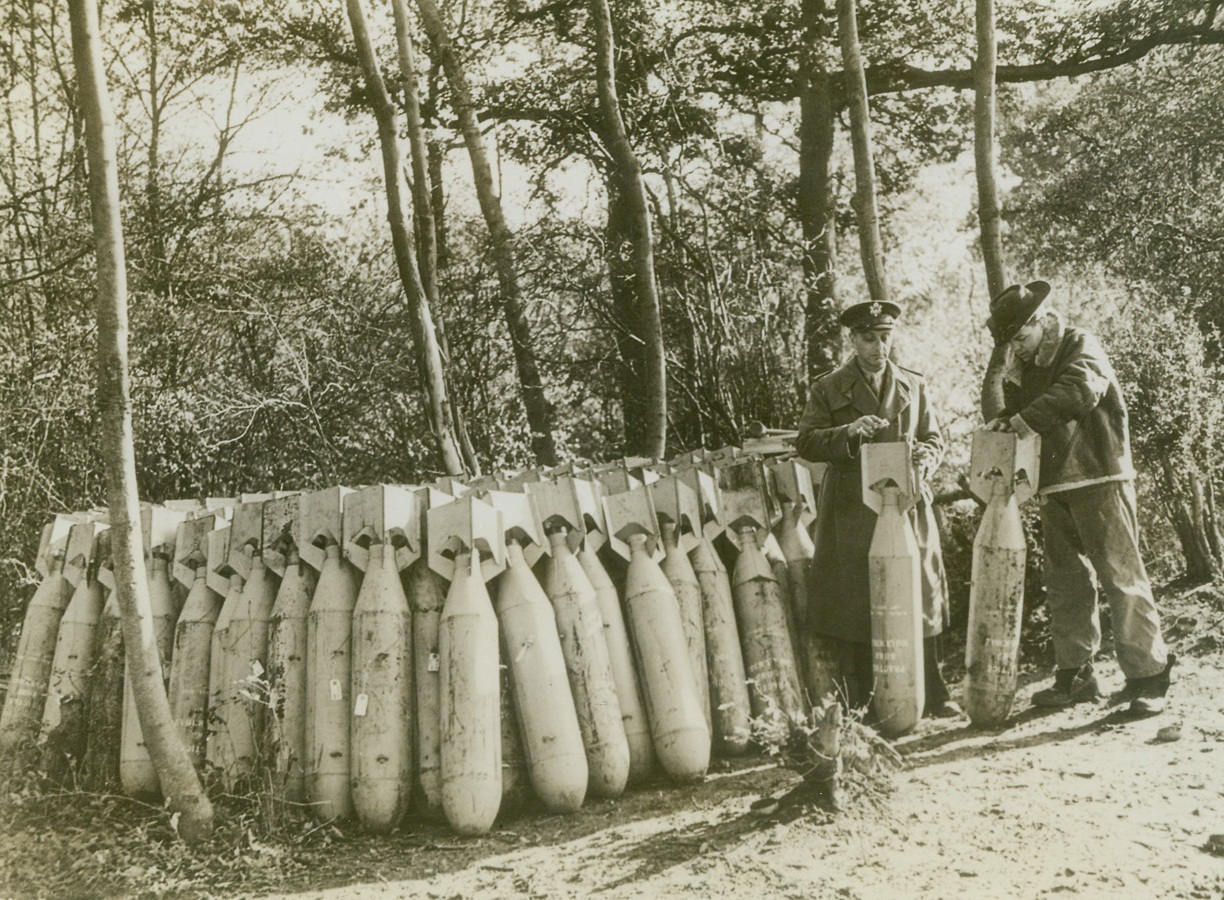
{"x":349,"y":640}
{"x":362,"y":643}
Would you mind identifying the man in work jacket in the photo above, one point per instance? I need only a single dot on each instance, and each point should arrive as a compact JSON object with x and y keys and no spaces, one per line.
{"x":870,"y":399}
{"x":1059,"y":383}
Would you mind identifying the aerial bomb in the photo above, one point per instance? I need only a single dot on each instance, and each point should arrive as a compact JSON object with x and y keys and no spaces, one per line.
{"x":426,"y":591}
{"x":730,"y":707}
{"x":895,"y":589}
{"x":548,"y":723}
{"x":543,"y":697}
{"x":329,"y":673}
{"x":584,"y":642}
{"x":382,"y":745}
{"x":574,"y":504}
{"x":382,"y":530}
{"x":31,"y":670}
{"x":1008,"y":465}
{"x":761,"y":609}
{"x":669,"y":686}
{"x":287,"y":643}
{"x":74,"y":647}
{"x":792,"y":484}
{"x":468,"y":547}
{"x":192,"y":654}
{"x":329,"y":630}
{"x":589,"y":667}
{"x":679,"y":520}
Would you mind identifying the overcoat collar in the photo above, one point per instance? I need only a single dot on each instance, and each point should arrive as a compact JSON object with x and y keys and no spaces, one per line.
{"x":848,"y":384}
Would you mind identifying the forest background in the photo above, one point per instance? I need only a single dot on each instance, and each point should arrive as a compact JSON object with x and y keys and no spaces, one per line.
{"x":275,"y":346}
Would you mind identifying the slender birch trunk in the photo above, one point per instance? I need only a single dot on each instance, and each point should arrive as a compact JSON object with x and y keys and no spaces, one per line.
{"x":428,"y":357}
{"x":505,"y":255}
{"x":423,"y":213}
{"x":175,"y":772}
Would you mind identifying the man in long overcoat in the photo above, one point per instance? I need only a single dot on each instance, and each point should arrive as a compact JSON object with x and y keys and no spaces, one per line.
{"x":870,"y":399}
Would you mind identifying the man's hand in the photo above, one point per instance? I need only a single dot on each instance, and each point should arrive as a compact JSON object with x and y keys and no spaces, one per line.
{"x":924,"y":461}
{"x":1000,"y":424}
{"x":866,"y":426}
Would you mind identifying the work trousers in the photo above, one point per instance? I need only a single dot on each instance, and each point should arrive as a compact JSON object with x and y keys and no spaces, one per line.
{"x":1094,"y":530}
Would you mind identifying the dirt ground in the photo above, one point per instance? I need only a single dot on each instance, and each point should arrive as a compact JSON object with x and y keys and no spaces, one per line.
{"x":1081,"y":801}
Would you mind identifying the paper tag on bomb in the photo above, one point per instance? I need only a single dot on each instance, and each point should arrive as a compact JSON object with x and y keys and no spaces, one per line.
{"x":256,"y":668}
{"x":359,"y":706}
{"x":336,"y":692}
{"x":435,"y":662}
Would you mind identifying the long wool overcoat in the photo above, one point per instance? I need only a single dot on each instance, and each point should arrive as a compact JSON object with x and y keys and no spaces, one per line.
{"x":840,"y":605}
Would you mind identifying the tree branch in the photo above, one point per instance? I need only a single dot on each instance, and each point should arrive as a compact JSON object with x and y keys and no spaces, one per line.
{"x":892,"y":78}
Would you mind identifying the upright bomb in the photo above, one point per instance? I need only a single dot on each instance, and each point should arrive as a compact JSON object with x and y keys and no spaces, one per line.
{"x":574,"y":503}
{"x":382,"y":530}
{"x":775,"y":689}
{"x":683,"y":579}
{"x":629,"y":699}
{"x":1007,"y":464}
{"x":730,"y":707}
{"x":467,"y":546}
{"x":382,"y":745}
{"x":329,"y":660}
{"x":761,"y":609}
{"x":895,"y":587}
{"x":74,"y":651}
{"x":792,"y":483}
{"x":31,"y":671}
{"x":548,"y":723}
{"x":669,"y":686}
{"x":285,"y":729}
{"x":189,"y":663}
{"x":426,"y":592}
{"x":287,"y":642}
{"x":329,"y":673}
{"x":540,"y":687}
{"x":588,"y":665}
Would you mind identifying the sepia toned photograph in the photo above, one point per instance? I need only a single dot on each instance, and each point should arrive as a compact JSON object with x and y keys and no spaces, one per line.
{"x":611,"y":449}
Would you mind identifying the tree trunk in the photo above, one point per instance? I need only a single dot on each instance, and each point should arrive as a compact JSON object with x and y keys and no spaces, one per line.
{"x":645,"y":323}
{"x":865,"y":208}
{"x":174,"y":770}
{"x":437,"y":156}
{"x":1185,"y":515}
{"x":988,"y":194}
{"x":992,"y":383}
{"x":816,"y":210}
{"x":157,"y":269}
{"x":983,"y":148}
{"x":428,"y":357}
{"x":423,"y":213}
{"x":631,"y":372}
{"x":539,"y":409}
